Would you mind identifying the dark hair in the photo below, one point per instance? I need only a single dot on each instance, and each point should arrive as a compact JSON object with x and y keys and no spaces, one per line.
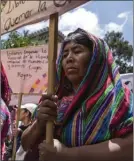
{"x":29,"y":113}
{"x":79,"y":36}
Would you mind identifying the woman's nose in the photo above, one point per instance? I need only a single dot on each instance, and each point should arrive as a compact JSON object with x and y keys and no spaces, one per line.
{"x":70,"y":57}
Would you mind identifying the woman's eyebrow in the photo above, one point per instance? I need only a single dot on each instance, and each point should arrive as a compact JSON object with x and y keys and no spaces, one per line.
{"x":65,"y":50}
{"x":77,"y":46}
{"x":73,"y":47}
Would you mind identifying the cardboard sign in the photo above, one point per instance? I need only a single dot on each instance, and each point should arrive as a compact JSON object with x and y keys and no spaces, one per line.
{"x":27,"y":68}
{"x":127,"y":79}
{"x":16,"y":14}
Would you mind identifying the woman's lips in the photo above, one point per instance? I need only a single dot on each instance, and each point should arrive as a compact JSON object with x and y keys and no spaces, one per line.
{"x":71,"y":70}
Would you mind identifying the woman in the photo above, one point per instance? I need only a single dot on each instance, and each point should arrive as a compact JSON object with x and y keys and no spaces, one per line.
{"x":26,"y":115}
{"x":94,"y":116}
{"x":4,"y":112}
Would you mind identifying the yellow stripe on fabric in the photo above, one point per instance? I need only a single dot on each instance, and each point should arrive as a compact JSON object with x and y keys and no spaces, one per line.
{"x":99,"y":124}
{"x":117,"y":77}
{"x":74,"y":129}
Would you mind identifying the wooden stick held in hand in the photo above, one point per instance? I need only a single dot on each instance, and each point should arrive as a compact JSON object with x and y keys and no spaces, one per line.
{"x":52,"y":55}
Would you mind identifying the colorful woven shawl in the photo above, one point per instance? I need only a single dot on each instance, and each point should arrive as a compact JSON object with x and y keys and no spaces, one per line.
{"x":5,"y":88}
{"x":101,"y":109}
{"x":5,"y":124}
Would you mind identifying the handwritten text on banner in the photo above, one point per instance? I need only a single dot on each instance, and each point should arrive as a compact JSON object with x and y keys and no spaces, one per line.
{"x":26,"y":68}
{"x":16,"y":14}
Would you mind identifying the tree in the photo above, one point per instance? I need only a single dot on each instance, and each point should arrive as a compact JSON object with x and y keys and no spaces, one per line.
{"x":25,"y":33}
{"x":16,"y":40}
{"x":122,"y":51}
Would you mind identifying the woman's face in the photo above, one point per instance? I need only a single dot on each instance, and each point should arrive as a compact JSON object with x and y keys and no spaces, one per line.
{"x":75,"y":61}
{"x":23,"y":115}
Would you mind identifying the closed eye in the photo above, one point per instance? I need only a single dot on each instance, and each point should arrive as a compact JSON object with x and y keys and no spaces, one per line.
{"x":77,"y":51}
{"x":65,"y":55}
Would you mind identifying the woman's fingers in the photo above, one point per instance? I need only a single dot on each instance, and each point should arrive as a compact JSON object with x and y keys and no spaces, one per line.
{"x":48,"y":103}
{"x":50,"y":97}
{"x":45,"y":117}
{"x":47,"y":110}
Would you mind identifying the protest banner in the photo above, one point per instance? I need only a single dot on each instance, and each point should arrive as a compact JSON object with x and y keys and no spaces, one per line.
{"x":127,"y":79}
{"x":16,"y":14}
{"x":27,"y":68}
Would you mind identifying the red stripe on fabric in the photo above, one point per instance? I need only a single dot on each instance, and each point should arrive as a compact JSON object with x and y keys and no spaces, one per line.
{"x":110,"y":58}
{"x":123,"y":131}
{"x":94,"y":98}
{"x":122,"y":109}
{"x":81,"y":92}
{"x":70,"y":108}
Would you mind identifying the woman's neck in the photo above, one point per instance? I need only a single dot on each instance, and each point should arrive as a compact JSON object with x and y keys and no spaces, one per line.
{"x":26,"y":122}
{"x":76,"y":84}
{"x":75,"y":87}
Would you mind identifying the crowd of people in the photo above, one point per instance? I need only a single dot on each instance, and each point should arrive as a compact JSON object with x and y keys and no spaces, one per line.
{"x":92,"y":109}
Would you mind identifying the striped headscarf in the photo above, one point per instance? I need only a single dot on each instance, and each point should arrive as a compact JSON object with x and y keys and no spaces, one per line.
{"x":101,"y":109}
{"x":5,"y":88}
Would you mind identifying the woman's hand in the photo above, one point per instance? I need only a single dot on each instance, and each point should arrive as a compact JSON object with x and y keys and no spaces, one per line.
{"x":49,"y":152}
{"x":15,"y":132}
{"x":47,"y":110}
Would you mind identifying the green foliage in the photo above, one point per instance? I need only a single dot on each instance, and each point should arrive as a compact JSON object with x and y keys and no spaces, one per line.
{"x":122,"y":50}
{"x":16,"y":40}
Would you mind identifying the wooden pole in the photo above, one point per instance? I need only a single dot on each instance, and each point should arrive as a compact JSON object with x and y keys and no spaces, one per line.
{"x":17,"y":123}
{"x":52,"y":55}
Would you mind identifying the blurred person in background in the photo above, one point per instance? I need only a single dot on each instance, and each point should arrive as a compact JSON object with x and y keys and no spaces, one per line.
{"x":9,"y":143}
{"x":25,"y":119}
{"x":26,"y":114}
{"x":5,"y":119}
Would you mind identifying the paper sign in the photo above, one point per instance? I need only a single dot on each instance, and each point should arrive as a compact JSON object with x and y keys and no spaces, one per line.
{"x":27,"y":68}
{"x":16,"y":14}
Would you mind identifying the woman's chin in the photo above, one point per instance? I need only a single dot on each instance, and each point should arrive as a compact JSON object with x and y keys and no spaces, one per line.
{"x":73,"y":78}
